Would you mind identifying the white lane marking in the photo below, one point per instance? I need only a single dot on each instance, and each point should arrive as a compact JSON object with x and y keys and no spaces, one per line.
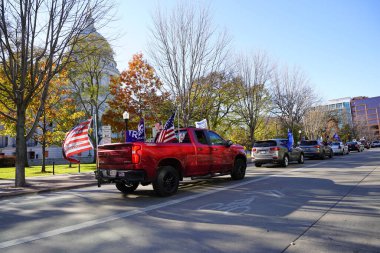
{"x":95,"y":222}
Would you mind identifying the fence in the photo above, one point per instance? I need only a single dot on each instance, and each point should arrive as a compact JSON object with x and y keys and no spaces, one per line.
{"x":53,"y":166}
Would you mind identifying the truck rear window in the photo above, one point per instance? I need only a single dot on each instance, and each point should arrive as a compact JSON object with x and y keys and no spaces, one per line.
{"x":261,"y":144}
{"x":309,"y":143}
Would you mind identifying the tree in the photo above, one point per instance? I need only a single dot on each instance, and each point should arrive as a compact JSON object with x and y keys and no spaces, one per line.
{"x":185,"y":47}
{"x":217,"y":96}
{"x":59,"y":115}
{"x":139,"y":91}
{"x":314,"y":122}
{"x":291,"y":96}
{"x":255,"y":73}
{"x":36,"y":41}
{"x":90,"y":74}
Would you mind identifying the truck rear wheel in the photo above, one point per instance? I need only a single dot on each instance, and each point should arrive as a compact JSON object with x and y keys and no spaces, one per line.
{"x":127,"y":187}
{"x":238,"y":171}
{"x":167,"y":181}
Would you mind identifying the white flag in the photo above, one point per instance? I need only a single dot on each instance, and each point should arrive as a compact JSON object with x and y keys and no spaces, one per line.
{"x":201,"y":124}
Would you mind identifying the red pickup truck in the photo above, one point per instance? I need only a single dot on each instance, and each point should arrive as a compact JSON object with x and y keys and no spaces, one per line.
{"x":199,"y":153}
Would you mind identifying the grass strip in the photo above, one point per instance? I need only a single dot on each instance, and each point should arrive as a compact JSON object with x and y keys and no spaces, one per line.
{"x":35,"y":171}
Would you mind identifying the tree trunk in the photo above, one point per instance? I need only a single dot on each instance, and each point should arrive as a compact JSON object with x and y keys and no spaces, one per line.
{"x":44,"y":130}
{"x":20,"y":149}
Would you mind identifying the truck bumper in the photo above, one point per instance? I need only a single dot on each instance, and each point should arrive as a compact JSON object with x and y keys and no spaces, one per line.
{"x":111,"y":176}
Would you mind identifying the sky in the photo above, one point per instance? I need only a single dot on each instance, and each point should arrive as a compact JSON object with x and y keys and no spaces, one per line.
{"x":335,"y":42}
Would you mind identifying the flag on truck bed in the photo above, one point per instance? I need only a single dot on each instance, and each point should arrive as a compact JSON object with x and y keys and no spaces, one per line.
{"x":201,"y":124}
{"x":77,"y":141}
{"x":167,"y":134}
{"x":138,"y":135}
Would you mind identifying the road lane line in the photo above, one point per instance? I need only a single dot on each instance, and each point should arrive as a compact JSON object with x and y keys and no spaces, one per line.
{"x":91,"y":223}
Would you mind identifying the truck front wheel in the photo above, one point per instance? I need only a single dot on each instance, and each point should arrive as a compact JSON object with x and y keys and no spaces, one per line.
{"x":238,"y":171}
{"x":167,"y":181}
{"x":127,"y":187}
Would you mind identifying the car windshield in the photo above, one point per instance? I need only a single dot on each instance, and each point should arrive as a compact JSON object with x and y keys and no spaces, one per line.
{"x":335,"y":143}
{"x":261,"y":144}
{"x":309,"y":143}
{"x":350,"y":143}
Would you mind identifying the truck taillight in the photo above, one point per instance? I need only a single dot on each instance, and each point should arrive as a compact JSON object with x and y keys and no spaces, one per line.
{"x":136,"y":153}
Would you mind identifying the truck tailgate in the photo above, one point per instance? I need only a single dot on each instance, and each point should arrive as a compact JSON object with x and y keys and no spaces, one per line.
{"x":115,"y":154}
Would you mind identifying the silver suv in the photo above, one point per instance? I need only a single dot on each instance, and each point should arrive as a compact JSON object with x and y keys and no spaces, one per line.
{"x":275,"y":151}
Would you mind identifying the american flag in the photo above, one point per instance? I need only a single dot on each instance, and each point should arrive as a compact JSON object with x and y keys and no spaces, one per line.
{"x":77,"y":141}
{"x":167,"y":134}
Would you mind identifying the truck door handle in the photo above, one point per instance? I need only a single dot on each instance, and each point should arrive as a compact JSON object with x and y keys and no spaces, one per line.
{"x":214,"y":149}
{"x":199,"y":149}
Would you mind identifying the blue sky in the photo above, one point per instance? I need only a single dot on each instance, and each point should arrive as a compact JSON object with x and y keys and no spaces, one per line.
{"x":335,"y":42}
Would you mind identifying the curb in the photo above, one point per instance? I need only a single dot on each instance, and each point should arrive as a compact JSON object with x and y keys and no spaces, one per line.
{"x":47,"y":190}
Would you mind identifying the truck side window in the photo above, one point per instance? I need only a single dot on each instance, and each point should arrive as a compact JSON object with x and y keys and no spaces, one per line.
{"x":215,"y":139}
{"x":186,"y":139}
{"x":201,"y":137}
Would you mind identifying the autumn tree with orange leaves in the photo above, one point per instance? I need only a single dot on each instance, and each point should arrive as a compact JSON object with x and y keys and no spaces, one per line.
{"x":139,"y":91}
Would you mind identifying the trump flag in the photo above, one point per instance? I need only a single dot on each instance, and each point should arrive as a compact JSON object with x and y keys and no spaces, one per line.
{"x":138,"y":135}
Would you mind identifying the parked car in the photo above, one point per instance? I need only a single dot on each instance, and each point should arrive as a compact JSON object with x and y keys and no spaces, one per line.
{"x":339,"y":148}
{"x":375,"y":144}
{"x":366,"y":144}
{"x":275,"y":151}
{"x":355,"y":146}
{"x":316,"y":149}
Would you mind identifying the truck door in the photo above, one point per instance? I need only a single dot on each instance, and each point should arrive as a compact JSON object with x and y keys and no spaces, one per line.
{"x":222,"y":159}
{"x":203,"y":153}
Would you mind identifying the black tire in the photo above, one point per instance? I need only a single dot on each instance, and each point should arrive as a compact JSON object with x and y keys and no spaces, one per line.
{"x":238,"y":171}
{"x":167,"y":181}
{"x":285,"y":161}
{"x":331,"y":155}
{"x":301,"y":160}
{"x":323,"y":156}
{"x":258,"y":164}
{"x":127,"y":187}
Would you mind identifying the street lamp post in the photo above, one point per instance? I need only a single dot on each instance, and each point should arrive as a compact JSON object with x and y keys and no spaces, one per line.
{"x":300,"y":139}
{"x":126,"y":118}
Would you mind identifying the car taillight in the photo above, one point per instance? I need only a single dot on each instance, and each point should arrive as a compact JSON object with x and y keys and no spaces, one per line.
{"x":275,"y":149}
{"x":317,"y":146}
{"x":136,"y":153}
{"x":253,"y":150}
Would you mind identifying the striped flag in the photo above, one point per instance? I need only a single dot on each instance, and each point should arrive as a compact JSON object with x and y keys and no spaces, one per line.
{"x":167,"y":134}
{"x":77,"y":141}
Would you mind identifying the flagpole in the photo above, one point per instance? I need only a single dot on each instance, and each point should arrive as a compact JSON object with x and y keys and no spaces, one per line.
{"x":96,"y":146}
{"x":177,"y":119}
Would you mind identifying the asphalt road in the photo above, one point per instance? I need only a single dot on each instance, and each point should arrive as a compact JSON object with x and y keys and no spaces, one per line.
{"x":321,"y":206}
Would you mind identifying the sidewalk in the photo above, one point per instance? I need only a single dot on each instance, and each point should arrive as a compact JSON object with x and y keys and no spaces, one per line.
{"x":46,"y":184}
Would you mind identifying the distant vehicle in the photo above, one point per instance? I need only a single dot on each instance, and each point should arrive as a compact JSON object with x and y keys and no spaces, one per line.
{"x":316,"y":149}
{"x":275,"y":151}
{"x":339,"y":148}
{"x":375,"y":144}
{"x":366,"y":144}
{"x":355,"y":146}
